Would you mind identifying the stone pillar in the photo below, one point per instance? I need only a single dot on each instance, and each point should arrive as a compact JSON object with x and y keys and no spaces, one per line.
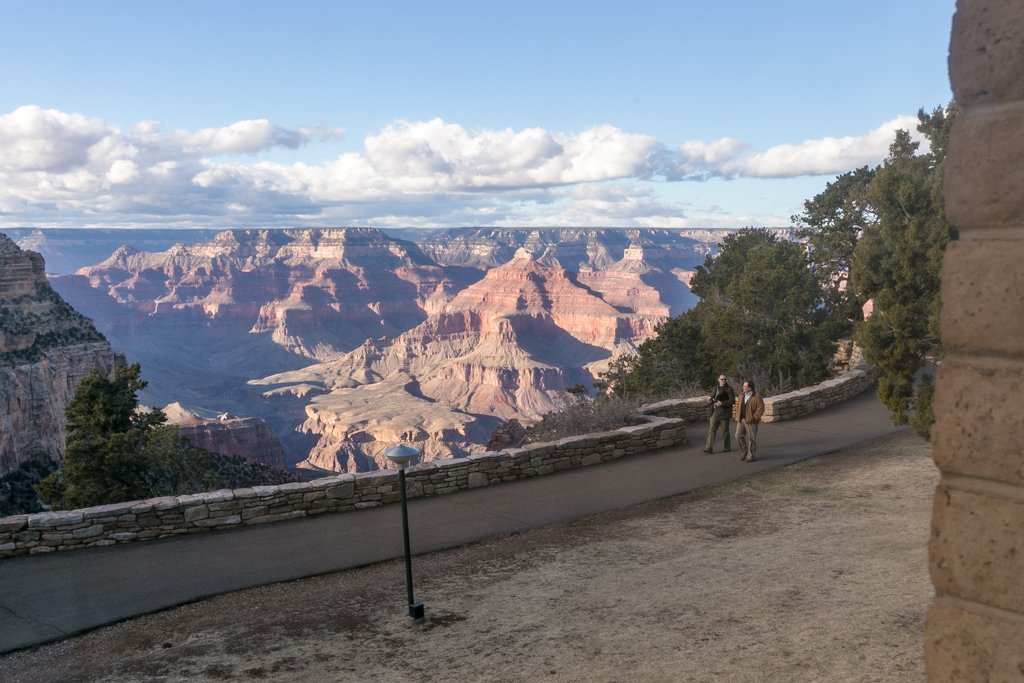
{"x":975,"y":628}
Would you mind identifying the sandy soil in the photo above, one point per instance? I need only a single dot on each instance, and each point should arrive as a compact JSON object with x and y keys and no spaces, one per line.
{"x":813,"y":573}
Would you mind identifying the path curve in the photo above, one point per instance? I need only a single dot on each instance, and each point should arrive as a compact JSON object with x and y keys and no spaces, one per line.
{"x":50,"y":597}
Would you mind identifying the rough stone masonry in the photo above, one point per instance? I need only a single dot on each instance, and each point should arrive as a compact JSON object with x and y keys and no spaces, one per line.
{"x":975,"y":628}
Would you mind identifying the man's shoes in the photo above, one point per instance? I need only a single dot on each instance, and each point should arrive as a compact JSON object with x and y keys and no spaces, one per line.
{"x":727,"y":450}
{"x":708,"y":450}
{"x":749,"y":459}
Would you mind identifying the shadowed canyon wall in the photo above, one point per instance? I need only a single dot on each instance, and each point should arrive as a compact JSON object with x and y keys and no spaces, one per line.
{"x":46,"y":348}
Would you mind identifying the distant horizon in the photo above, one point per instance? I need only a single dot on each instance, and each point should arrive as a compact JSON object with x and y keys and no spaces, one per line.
{"x":400,"y":227}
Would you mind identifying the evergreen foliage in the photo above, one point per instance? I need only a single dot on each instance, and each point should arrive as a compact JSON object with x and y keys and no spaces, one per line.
{"x":17,"y":497}
{"x":117,"y":453}
{"x":831,"y":225}
{"x":761,"y":308}
{"x":897,"y":264}
{"x":774,"y":309}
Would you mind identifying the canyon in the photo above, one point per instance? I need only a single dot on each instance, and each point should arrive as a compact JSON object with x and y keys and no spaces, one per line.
{"x":347,"y":341}
{"x":46,"y":348}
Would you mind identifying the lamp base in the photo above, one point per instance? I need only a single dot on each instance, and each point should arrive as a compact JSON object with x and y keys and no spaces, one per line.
{"x":416,"y":612}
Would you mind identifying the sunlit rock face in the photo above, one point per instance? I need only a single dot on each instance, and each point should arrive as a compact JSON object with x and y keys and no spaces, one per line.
{"x":46,"y":348}
{"x":507,"y":346}
{"x":347,"y":341}
{"x":226,"y":434}
{"x":315,"y":292}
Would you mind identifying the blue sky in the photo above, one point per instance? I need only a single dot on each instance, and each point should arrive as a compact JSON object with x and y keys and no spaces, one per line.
{"x":709,"y":113}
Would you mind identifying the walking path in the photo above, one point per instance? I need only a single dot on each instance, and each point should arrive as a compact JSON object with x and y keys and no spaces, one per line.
{"x":52,"y":596}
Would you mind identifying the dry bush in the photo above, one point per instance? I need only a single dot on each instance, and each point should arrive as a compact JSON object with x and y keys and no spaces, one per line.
{"x":585,"y":415}
{"x":764,"y":383}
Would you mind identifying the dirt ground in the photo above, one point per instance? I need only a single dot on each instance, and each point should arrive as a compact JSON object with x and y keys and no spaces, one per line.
{"x":817,"y":572}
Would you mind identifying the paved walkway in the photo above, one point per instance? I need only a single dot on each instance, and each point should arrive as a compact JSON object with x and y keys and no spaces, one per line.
{"x":49,"y":597}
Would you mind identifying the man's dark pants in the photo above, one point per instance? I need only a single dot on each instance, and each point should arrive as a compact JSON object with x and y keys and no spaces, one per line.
{"x":713,"y":425}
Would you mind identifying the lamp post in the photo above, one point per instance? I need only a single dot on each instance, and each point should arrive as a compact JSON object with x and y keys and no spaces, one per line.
{"x":402,"y":455}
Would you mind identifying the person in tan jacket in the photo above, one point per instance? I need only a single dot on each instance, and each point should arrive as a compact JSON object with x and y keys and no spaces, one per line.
{"x":747,"y":410}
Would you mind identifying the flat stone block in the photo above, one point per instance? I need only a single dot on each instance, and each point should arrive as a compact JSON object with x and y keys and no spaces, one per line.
{"x":344,"y":490}
{"x":194,"y":514}
{"x":983,"y":295}
{"x":220,"y":521}
{"x":295,"y":487}
{"x":88,"y":532}
{"x":477,"y":479}
{"x":13,"y":523}
{"x":964,"y":644}
{"x":979,"y":433}
{"x":112,"y":510}
{"x":259,"y":511}
{"x":280,"y":517}
{"x":976,"y":550}
{"x":983,"y":170}
{"x":329,"y":482}
{"x":986,"y":52}
{"x":159,"y":504}
{"x":636,"y":430}
{"x":54,"y":519}
{"x":266,"y":491}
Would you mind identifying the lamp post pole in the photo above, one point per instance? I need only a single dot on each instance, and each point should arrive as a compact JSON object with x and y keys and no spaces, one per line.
{"x":401,"y":456}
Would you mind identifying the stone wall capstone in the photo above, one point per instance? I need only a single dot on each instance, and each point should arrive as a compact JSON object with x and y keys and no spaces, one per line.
{"x":177,"y":515}
{"x":781,"y":407}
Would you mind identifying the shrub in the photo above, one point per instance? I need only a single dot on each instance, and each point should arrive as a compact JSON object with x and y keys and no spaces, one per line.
{"x":581,"y":414}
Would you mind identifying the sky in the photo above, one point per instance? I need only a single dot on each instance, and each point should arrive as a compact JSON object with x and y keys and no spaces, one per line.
{"x":684,"y":113}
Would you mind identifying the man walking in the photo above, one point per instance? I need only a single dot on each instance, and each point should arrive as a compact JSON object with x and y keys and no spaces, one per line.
{"x":747,"y":412}
{"x":721,"y":408}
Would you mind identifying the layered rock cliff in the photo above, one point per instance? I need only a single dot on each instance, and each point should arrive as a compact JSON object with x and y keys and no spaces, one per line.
{"x":226,"y":434}
{"x":314,"y":293}
{"x":363,"y":340}
{"x":46,"y":348}
{"x":507,"y":346}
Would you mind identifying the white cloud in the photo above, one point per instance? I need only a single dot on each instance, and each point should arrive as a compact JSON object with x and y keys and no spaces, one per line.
{"x":61,"y":168}
{"x":827,"y":156}
{"x":248,"y":137}
{"x":122,"y":171}
{"x":36,"y":139}
{"x":700,"y":159}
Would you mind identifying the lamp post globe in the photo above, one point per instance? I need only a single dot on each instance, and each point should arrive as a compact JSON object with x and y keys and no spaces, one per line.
{"x":402,"y":455}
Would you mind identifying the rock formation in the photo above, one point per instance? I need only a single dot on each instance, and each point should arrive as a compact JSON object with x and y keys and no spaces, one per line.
{"x":362,"y":340}
{"x":506,"y":346}
{"x":225,"y":434}
{"x":46,"y":348}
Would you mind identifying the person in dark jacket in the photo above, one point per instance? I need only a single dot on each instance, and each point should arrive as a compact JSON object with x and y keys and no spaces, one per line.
{"x":721,"y":408}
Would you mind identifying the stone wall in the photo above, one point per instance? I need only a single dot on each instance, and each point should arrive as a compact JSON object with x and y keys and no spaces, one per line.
{"x":782,"y":407}
{"x":975,"y":628}
{"x":177,"y":515}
